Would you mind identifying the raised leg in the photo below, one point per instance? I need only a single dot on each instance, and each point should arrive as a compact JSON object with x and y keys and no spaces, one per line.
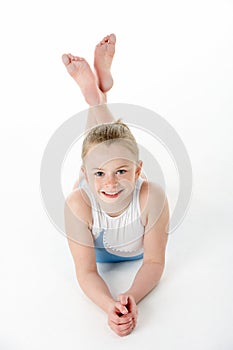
{"x":81,"y":72}
{"x":104,"y":53}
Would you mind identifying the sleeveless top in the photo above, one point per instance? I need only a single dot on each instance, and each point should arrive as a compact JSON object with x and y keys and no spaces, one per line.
{"x":117,"y":238}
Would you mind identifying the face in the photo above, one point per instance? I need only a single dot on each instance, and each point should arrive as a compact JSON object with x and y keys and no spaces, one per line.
{"x":111,"y":172}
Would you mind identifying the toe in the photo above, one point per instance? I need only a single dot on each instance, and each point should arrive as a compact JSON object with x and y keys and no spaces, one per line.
{"x":112,"y":38}
{"x":65,"y":59}
{"x":71,"y":57}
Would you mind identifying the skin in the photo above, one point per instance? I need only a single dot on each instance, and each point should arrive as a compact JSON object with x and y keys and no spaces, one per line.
{"x":111,"y":175}
{"x":111,"y":172}
{"x":93,"y":86}
{"x":104,"y":53}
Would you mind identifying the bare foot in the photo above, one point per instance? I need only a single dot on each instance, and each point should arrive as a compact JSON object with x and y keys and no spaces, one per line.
{"x":104,"y":53}
{"x":80,"y":70}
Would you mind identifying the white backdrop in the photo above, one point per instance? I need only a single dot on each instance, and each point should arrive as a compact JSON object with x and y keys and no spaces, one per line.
{"x":174,"y":57}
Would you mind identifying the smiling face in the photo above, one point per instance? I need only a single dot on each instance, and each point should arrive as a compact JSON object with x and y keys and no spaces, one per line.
{"x":111,"y":171}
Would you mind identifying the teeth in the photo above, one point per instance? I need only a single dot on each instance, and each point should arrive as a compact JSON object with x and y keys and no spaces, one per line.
{"x":111,"y":193}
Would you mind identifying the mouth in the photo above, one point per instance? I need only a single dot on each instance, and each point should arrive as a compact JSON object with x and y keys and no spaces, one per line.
{"x":109,"y":194}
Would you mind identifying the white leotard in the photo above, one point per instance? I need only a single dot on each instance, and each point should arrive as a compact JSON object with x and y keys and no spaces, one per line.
{"x":117,"y":238}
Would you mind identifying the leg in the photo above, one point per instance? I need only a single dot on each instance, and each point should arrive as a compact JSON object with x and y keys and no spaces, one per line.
{"x":99,"y":115}
{"x":81,"y":72}
{"x":104,"y":53}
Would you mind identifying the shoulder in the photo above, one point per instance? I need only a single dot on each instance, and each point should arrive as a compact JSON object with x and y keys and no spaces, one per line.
{"x":151,"y":193}
{"x":78,"y":220}
{"x":79,"y":203}
{"x":153,"y":201}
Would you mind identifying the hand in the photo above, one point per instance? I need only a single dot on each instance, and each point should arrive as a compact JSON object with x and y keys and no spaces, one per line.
{"x":120,"y":319}
{"x":128,"y":301}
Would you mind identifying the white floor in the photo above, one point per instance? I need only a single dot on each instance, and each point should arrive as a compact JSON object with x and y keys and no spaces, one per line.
{"x":41,"y":304}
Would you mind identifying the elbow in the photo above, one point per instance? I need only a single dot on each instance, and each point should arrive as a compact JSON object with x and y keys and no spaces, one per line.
{"x":153,"y":262}
{"x":83,"y":275}
{"x":82,"y":278}
{"x":156,"y":269}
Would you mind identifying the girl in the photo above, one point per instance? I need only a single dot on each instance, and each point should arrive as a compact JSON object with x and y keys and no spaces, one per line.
{"x":113,"y":213}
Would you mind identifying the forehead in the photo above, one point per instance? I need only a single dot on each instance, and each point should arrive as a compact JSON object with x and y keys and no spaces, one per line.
{"x":105,"y":154}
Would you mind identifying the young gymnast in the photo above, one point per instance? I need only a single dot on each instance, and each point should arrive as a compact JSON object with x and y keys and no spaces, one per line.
{"x":113,"y":213}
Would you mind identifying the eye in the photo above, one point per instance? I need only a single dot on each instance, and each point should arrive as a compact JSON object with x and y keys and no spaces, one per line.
{"x":99,"y":173}
{"x":121,"y":171}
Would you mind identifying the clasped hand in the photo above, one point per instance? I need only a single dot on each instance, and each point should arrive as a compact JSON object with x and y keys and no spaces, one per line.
{"x":122,"y":315}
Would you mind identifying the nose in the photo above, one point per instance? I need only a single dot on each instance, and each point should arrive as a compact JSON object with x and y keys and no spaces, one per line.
{"x":111,"y":180}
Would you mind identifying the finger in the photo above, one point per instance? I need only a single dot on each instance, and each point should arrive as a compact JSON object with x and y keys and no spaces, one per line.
{"x":132,"y":306}
{"x":123,"y":299}
{"x":135,"y":317}
{"x":123,"y":310}
{"x":121,"y":329}
{"x":125,"y":332}
{"x":134,"y":320}
{"x":120,"y":319}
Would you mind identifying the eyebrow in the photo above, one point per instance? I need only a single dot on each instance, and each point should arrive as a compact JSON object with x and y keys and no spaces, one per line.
{"x":119,"y":167}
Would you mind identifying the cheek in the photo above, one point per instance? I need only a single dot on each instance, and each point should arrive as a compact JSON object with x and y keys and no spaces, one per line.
{"x":91,"y":181}
{"x":132,"y":177}
{"x":128,"y":183}
{"x":97,"y":183}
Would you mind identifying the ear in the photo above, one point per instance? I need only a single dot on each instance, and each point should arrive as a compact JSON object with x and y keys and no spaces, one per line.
{"x":138,"y":169}
{"x":84,"y":173}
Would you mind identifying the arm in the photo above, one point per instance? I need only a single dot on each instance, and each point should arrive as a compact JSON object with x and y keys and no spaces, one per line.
{"x":155,"y":240}
{"x":87,"y":275}
{"x":77,"y":222}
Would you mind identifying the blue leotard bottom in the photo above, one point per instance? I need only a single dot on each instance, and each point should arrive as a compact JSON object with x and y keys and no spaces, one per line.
{"x":102,"y":255}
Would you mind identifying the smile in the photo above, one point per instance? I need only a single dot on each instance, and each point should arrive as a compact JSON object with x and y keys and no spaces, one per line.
{"x":111,"y":194}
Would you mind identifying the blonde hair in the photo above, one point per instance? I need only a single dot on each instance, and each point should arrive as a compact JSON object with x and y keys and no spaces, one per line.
{"x":109,"y":133}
